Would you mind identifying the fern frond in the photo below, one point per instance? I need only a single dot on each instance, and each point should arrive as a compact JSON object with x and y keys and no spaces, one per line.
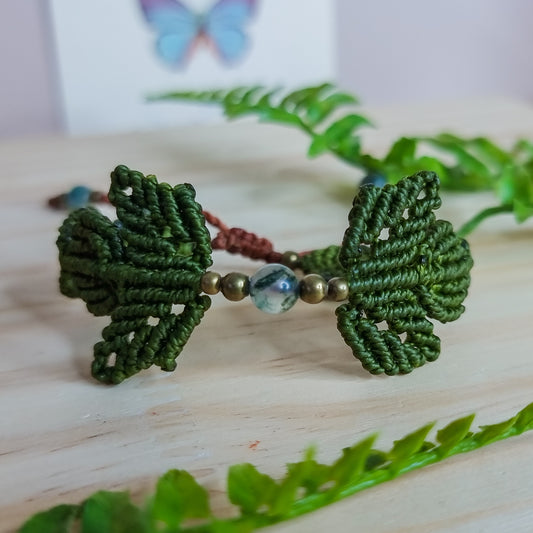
{"x":261,"y":500}
{"x":311,"y":109}
{"x":471,"y":164}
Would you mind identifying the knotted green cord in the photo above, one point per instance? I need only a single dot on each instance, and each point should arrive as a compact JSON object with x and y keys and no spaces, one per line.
{"x":135,"y":269}
{"x":323,"y":261}
{"x":420,"y":269}
{"x":156,"y":252}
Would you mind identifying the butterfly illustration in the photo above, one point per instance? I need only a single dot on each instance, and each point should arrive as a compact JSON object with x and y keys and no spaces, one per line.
{"x":180,"y":29}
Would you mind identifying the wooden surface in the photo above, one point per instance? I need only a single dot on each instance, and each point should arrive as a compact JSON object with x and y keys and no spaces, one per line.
{"x":253,"y":387}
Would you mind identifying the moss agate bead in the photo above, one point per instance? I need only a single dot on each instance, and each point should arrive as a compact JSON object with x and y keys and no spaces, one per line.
{"x":274,"y":288}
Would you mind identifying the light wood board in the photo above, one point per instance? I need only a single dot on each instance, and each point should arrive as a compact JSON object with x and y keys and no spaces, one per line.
{"x":249,"y":386}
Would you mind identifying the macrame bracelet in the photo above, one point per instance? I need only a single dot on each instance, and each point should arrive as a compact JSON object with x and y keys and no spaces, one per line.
{"x":397,"y":267}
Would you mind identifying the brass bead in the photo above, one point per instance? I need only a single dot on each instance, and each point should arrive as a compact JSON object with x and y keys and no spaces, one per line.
{"x":210,"y":282}
{"x":337,"y":289}
{"x":235,"y":286}
{"x":313,"y":288}
{"x":290,"y":259}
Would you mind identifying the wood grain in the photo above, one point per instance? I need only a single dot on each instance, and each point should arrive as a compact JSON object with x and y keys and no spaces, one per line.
{"x":253,"y":387}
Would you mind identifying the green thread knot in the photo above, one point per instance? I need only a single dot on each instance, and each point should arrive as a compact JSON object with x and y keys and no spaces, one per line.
{"x":323,"y":261}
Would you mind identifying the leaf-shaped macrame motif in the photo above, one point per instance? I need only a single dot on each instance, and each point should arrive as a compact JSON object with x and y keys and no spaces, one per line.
{"x":135,"y":269}
{"x":403,"y":266}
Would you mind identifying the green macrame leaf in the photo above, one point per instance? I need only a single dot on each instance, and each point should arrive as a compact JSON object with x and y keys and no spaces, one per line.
{"x":135,"y":269}
{"x":403,"y":266}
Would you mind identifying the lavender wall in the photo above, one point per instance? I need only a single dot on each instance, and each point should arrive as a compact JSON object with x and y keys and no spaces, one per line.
{"x":424,"y":50}
{"x":28,"y":97}
{"x":388,"y":51}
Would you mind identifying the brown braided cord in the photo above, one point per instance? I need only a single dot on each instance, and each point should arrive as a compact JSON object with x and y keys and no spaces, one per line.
{"x":242,"y":242}
{"x":421,"y":270}
{"x":135,"y":269}
{"x":247,"y":244}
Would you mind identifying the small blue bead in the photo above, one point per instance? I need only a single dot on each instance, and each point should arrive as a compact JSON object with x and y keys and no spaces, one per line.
{"x":78,"y":197}
{"x":375,"y":179}
{"x":274,"y":288}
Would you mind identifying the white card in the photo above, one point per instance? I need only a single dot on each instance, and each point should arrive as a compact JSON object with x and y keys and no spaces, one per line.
{"x":108,"y":62}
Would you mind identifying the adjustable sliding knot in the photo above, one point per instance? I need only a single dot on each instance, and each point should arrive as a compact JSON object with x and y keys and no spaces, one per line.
{"x":397,"y":267}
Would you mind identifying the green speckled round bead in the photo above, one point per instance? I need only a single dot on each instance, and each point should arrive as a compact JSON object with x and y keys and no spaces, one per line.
{"x":274,"y":288}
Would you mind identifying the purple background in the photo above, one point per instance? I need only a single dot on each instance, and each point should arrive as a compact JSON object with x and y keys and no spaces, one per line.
{"x":388,"y":52}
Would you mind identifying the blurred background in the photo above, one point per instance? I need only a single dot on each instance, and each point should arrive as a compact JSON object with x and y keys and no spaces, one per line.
{"x":78,"y":67}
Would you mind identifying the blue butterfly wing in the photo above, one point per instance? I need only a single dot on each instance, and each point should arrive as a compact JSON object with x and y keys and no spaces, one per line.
{"x":176,"y":25}
{"x":174,"y":48}
{"x":224,"y":26}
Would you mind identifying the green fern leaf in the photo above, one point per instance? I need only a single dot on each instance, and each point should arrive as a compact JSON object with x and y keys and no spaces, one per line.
{"x":273,"y":114}
{"x":178,"y":497}
{"x":405,"y":448}
{"x":476,"y":164}
{"x":318,"y":145}
{"x":302,"y":98}
{"x":453,"y":434}
{"x":494,"y":432}
{"x":352,"y":462}
{"x":344,"y":127}
{"x":58,"y":519}
{"x":319,"y":110}
{"x":249,"y":489}
{"x":306,"y":487}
